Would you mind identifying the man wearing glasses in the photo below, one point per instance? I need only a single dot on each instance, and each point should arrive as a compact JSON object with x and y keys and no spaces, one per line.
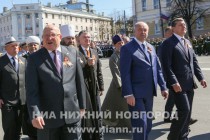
{"x":55,"y":86}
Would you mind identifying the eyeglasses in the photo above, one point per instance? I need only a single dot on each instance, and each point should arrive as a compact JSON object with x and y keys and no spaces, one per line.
{"x":51,"y":35}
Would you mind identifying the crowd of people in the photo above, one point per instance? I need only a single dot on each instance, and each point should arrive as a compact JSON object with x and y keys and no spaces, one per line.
{"x":48,"y":87}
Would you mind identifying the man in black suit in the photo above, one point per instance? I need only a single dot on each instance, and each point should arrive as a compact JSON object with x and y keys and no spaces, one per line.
{"x":33,"y":43}
{"x":180,"y":65}
{"x":94,"y":85}
{"x":12,"y":90}
{"x":55,"y":87}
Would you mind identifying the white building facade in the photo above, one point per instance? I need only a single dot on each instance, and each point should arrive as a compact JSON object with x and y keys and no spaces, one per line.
{"x":149,"y":12}
{"x":23,"y":20}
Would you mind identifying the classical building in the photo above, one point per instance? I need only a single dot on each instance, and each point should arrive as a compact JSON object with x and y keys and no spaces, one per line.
{"x":23,"y":20}
{"x":149,"y":11}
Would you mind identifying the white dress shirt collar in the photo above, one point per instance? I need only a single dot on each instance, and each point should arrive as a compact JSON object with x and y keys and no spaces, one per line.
{"x":139,"y":42}
{"x":84,"y":49}
{"x":179,"y":37}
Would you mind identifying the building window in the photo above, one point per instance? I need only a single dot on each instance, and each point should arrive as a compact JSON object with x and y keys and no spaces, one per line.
{"x":28,"y":16}
{"x":36,"y":15}
{"x":168,"y":3}
{"x":199,"y":23}
{"x":144,"y":6}
{"x":81,"y":19}
{"x":156,"y":4}
{"x":75,"y":18}
{"x":76,"y":27}
{"x":53,"y":16}
{"x":91,"y":28}
{"x":157,"y":27}
{"x":86,"y":28}
{"x":46,"y":15}
{"x":86,"y":20}
{"x":81,"y":28}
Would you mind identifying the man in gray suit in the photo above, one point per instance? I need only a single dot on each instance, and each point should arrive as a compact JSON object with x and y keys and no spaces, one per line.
{"x":12,"y":90}
{"x":55,"y":86}
{"x":180,"y":65}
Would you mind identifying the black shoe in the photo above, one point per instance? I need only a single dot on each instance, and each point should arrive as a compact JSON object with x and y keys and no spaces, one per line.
{"x":192,"y":121}
{"x":167,"y":121}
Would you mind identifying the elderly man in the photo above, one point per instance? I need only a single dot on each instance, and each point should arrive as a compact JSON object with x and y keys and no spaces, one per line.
{"x":33,"y":44}
{"x":68,"y":35}
{"x":55,"y":86}
{"x":140,"y":74}
{"x":12,"y":90}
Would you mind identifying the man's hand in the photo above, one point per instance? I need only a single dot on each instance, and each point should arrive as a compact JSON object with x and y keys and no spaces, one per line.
{"x":91,"y":61}
{"x":38,"y":123}
{"x":203,"y":83}
{"x":177,"y":87}
{"x":164,"y":94}
{"x":131,"y":100}
{"x":1,"y":103}
{"x":82,"y":113}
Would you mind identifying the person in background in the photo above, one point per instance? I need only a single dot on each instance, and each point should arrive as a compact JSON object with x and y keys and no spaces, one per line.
{"x":23,"y":49}
{"x":114,"y":102}
{"x":68,"y":35}
{"x":126,"y":39}
{"x":33,"y":44}
{"x":92,"y":72}
{"x":12,"y":90}
{"x":180,"y":65}
{"x":55,"y":84}
{"x":140,"y":74}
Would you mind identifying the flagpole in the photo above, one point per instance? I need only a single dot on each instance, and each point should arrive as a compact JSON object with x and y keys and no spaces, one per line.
{"x":161,"y":20}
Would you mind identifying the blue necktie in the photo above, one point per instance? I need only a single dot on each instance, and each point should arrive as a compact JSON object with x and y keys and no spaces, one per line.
{"x":146,"y":52}
{"x":14,"y":63}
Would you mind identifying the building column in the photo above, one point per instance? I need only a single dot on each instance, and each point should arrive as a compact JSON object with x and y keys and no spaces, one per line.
{"x":14,"y":31}
{"x":23,"y":26}
{"x":33,"y":23}
{"x":41,"y":25}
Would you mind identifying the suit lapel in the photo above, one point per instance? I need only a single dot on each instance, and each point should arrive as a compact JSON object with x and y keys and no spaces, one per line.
{"x":20,"y":63}
{"x":9,"y":62}
{"x":138,"y":47}
{"x":181,"y":47}
{"x":66,"y":60}
{"x":49,"y":62}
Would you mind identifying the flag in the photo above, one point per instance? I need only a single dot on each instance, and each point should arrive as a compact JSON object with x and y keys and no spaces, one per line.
{"x":164,"y":16}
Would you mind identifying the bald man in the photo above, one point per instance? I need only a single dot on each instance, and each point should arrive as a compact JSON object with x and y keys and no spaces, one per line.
{"x":140,"y":74}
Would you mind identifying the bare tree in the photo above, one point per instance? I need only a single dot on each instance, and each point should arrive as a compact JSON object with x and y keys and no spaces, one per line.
{"x":190,"y":10}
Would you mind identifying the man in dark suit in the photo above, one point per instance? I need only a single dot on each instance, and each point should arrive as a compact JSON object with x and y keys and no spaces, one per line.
{"x":12,"y":90}
{"x":180,"y":65}
{"x":55,"y":86}
{"x":33,"y":44}
{"x":94,"y":86}
{"x":140,"y":74}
